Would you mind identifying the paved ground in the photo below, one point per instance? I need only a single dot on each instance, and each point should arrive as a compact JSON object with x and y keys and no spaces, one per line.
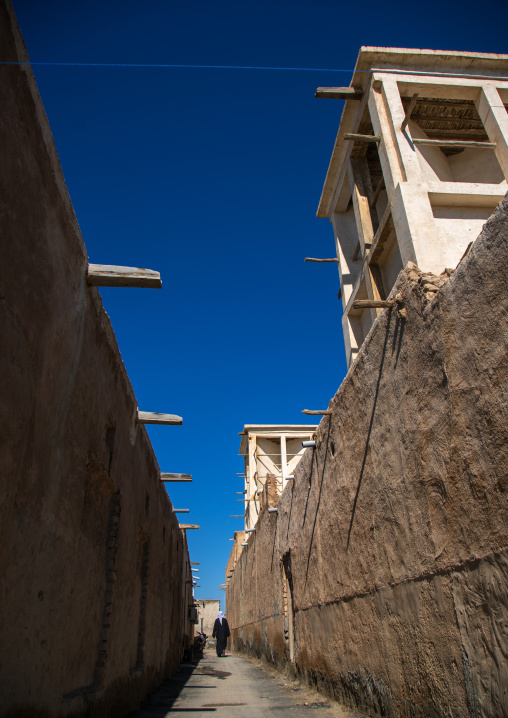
{"x":234,"y":687}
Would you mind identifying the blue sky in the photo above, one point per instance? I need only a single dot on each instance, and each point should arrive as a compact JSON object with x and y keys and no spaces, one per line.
{"x":212,"y":177}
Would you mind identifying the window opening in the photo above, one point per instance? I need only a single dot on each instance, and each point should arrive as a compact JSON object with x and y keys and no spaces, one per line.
{"x":445,"y":119}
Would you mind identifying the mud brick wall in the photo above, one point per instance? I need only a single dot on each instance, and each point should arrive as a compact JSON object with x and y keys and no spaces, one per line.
{"x":93,"y":565}
{"x":269,"y":494}
{"x":392,"y":539}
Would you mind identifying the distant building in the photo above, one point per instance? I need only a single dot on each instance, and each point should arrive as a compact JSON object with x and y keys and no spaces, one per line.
{"x":419,"y":163}
{"x":270,"y":452}
{"x":208,"y":609}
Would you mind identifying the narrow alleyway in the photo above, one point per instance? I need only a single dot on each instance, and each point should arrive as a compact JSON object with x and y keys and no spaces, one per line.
{"x":232,"y":687}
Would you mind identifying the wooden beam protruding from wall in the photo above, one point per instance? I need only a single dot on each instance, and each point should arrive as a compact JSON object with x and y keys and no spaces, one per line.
{"x":176,"y":477}
{"x":312,"y":259}
{"x":409,"y":110}
{"x":339,"y":93}
{"x":151,"y":417}
{"x":318,"y":412}
{"x":188,"y":526}
{"x":357,"y":251}
{"x":373,"y":303}
{"x":362,"y":138}
{"x":109,"y":275}
{"x":379,"y":188}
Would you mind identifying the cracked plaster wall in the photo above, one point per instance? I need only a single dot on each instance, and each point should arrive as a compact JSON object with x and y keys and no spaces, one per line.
{"x":396,"y":524}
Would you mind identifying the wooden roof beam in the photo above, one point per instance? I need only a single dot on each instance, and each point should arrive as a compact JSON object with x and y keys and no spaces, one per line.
{"x":379,"y":188}
{"x":361,"y":138}
{"x":373,"y":304}
{"x":314,"y":259}
{"x":151,"y":417}
{"x":109,"y":275}
{"x":175,"y":477}
{"x":339,"y":93}
{"x":320,"y":412}
{"x":436,"y":102}
{"x":409,"y":110}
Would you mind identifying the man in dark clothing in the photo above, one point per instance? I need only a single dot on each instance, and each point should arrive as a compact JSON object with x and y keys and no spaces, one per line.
{"x":221,"y":633}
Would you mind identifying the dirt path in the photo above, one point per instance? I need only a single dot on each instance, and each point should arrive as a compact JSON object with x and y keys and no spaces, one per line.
{"x":234,"y":687}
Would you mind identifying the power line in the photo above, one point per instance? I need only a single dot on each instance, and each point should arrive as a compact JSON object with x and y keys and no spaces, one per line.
{"x":393,"y":71}
{"x":177,"y":66}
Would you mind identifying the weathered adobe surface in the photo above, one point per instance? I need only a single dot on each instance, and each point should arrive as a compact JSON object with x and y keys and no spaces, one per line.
{"x":269,"y":495}
{"x":91,"y":556}
{"x":396,"y":523}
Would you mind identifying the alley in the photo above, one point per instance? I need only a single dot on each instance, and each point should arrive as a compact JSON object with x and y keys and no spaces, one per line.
{"x":235,"y":686}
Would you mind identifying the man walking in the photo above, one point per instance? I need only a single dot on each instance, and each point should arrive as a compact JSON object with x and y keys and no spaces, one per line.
{"x":221,"y":633}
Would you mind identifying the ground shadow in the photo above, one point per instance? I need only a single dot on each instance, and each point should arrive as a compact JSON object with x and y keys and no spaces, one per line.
{"x":162,"y":700}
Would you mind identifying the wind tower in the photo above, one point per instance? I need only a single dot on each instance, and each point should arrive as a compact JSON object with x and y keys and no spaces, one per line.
{"x":419,"y":163}
{"x":271,"y":453}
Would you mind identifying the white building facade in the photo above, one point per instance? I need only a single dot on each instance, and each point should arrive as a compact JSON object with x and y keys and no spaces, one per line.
{"x":269,"y":452}
{"x":419,"y":163}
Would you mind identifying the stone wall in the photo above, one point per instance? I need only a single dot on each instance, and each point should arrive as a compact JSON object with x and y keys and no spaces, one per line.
{"x":93,"y":565}
{"x":388,"y":553}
